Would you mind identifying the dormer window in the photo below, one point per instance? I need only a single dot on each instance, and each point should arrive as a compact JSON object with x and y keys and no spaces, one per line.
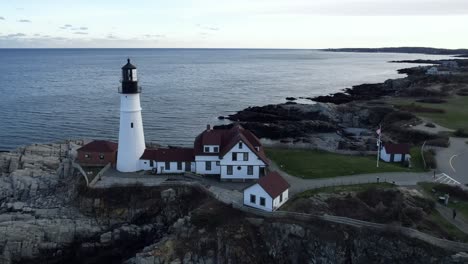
{"x":240,"y":145}
{"x":207,"y":149}
{"x":257,"y":148}
{"x":216,"y":149}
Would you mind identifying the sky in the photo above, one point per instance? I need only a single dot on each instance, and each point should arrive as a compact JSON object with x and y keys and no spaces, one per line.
{"x":293,"y":24}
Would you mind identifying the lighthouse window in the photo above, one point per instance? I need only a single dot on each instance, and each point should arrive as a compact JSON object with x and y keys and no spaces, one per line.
{"x":131,"y":125}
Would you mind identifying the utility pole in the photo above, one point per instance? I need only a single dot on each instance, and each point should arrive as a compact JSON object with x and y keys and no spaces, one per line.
{"x":379,"y":142}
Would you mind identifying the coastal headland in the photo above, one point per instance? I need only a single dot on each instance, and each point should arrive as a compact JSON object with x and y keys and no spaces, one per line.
{"x":48,"y":214}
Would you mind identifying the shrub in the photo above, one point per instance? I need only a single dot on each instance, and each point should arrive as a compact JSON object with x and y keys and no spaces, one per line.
{"x":429,"y":157}
{"x":430,"y":125}
{"x":453,"y":191}
{"x":420,"y":109}
{"x":439,"y":142}
{"x":460,"y":133}
{"x":431,"y":101}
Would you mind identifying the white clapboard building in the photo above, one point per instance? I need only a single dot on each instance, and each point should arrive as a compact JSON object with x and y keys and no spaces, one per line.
{"x":395,"y":152}
{"x":232,"y":153}
{"x":268,"y":194}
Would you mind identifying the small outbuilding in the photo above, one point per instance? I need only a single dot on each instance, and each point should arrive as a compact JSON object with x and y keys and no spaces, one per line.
{"x":395,"y":152}
{"x":98,"y":153}
{"x":268,"y":194}
{"x":168,"y":160}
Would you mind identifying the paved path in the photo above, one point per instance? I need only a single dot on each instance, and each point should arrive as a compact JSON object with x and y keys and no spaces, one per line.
{"x":453,"y":160}
{"x":400,"y":178}
{"x":460,"y":222}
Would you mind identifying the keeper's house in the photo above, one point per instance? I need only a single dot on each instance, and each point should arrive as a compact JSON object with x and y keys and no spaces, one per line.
{"x":395,"y":152}
{"x":232,"y":153}
{"x":269,"y":193}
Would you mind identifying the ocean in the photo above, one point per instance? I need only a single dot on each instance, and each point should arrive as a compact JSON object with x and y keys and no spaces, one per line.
{"x":49,"y":95}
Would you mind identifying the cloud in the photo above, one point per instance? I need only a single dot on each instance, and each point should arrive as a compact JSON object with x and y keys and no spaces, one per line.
{"x":80,"y":33}
{"x":24,"y":21}
{"x":154,"y":36}
{"x":111,"y":36}
{"x":83,"y":28}
{"x":2,"y":18}
{"x":13,"y":36}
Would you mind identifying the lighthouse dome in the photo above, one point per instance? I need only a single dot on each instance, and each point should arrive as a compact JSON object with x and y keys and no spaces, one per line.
{"x":128,"y":66}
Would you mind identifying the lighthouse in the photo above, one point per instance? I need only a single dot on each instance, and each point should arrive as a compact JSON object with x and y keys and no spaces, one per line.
{"x":131,"y":135}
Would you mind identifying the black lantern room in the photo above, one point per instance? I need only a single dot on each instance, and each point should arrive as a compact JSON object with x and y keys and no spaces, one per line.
{"x":129,"y":79}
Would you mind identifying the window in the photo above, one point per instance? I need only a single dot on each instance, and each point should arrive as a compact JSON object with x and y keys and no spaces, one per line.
{"x":249,"y":170}
{"x":179,"y":165}
{"x":218,"y":163}
{"x":234,"y":156}
{"x":207,"y":149}
{"x":239,"y":168}
{"x":229,"y":170}
{"x":131,"y":125}
{"x":257,"y":148}
{"x":240,"y":145}
{"x":208,"y":165}
{"x":262,"y":201}
{"x":281,"y":197}
{"x":101,"y":156}
{"x":246,"y":156}
{"x":168,"y":165}
{"x":151,"y":163}
{"x":253,"y":198}
{"x":216,"y":149}
{"x":87,"y":156}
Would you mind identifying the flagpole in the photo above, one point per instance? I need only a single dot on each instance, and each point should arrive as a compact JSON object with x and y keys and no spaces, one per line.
{"x":378,"y":145}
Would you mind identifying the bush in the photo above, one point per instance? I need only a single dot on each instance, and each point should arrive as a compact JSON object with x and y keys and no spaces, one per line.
{"x":420,"y":109}
{"x":430,"y":125}
{"x":460,"y":133}
{"x":439,"y":142}
{"x":429,"y":157}
{"x":453,"y":191}
{"x":431,"y":101}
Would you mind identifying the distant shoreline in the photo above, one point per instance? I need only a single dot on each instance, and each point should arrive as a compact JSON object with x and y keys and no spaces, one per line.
{"x":409,"y":50}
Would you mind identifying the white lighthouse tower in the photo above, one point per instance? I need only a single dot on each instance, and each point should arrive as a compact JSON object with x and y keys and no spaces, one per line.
{"x":131,"y":135}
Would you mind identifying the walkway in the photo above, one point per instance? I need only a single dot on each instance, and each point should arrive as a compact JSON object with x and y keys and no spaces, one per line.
{"x":460,"y":222}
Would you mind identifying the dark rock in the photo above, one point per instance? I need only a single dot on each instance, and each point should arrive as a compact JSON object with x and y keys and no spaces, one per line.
{"x":291,"y":98}
{"x":221,"y":117}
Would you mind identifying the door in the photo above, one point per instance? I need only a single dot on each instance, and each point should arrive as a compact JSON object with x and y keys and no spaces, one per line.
{"x":187,"y":166}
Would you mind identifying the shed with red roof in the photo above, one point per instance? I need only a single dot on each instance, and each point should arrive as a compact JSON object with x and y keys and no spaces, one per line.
{"x":395,"y":152}
{"x":98,"y":153}
{"x":269,"y":193}
{"x":167,"y":160}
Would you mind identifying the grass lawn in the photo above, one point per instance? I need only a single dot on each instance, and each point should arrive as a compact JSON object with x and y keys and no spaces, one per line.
{"x":312,"y":164}
{"x":452,"y":230}
{"x":455,"y":116}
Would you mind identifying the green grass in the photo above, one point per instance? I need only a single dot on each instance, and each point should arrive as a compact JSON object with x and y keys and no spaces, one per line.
{"x":313,"y":164}
{"x":345,"y":188}
{"x":445,"y":225}
{"x":455,"y":116}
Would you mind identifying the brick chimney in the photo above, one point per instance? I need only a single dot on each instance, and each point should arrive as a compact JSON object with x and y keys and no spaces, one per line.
{"x":208,"y":127}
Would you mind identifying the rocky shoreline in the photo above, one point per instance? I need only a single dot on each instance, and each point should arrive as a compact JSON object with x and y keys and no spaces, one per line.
{"x":47,"y":215}
{"x":347,"y":120}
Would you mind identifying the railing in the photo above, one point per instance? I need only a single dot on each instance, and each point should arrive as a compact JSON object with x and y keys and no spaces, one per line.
{"x":136,"y":89}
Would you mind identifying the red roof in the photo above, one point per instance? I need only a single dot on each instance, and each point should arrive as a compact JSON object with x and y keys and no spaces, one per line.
{"x":226,"y":139}
{"x":397,"y":148}
{"x":171,"y":154}
{"x":273,"y":184}
{"x":99,"y":146}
